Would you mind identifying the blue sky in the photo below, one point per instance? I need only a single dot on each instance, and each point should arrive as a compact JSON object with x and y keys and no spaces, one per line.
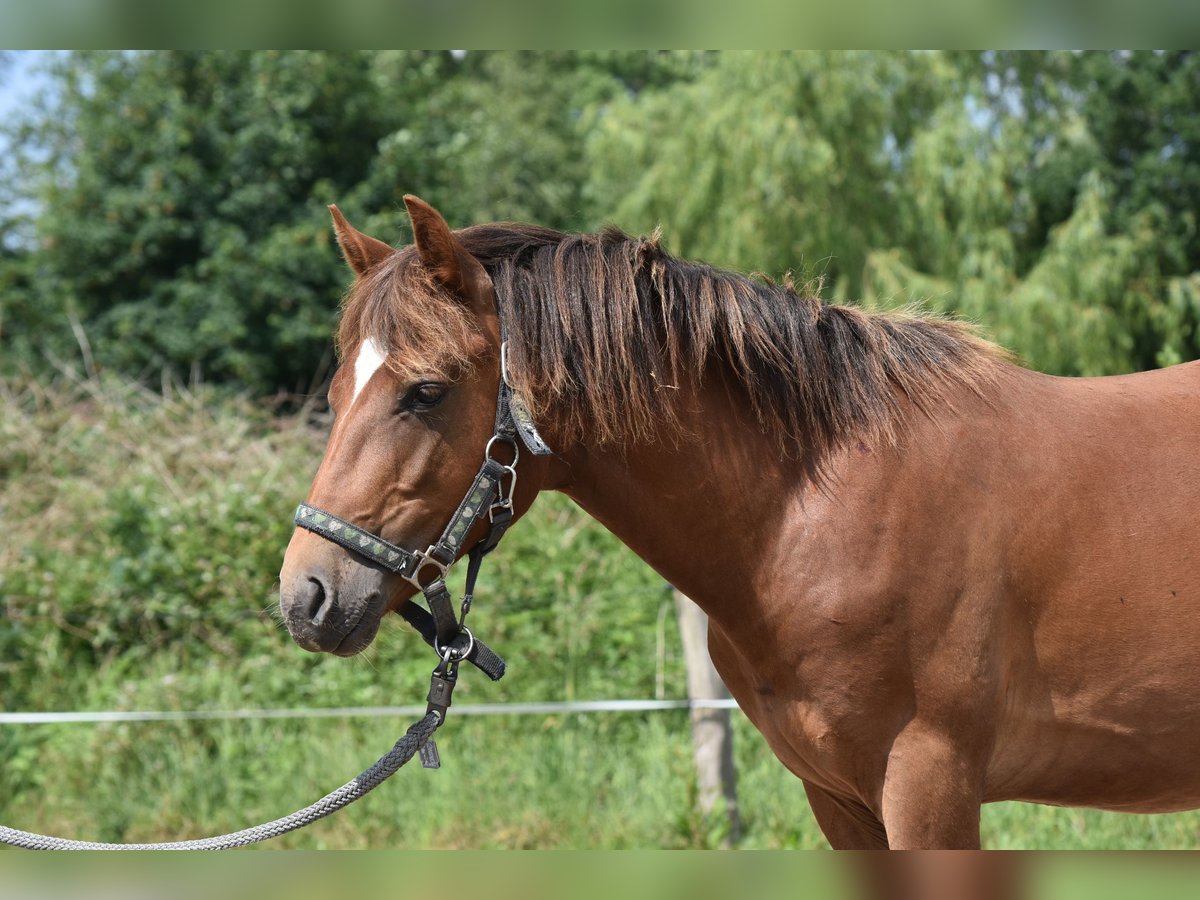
{"x":19,"y":80}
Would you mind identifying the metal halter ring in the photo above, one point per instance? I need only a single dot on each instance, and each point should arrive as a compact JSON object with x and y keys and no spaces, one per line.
{"x":487,"y":451}
{"x":449,"y":654}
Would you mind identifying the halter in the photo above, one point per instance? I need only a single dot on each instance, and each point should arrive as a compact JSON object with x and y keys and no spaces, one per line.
{"x":489,"y":497}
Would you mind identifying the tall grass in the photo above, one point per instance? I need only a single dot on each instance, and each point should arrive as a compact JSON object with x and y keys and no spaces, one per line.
{"x":142,"y":536}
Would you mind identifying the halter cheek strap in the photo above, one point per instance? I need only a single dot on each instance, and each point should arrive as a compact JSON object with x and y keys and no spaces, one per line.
{"x":518,"y":411}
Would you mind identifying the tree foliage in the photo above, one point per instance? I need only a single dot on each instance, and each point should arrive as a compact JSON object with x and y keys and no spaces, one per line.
{"x":165,"y":208}
{"x":1050,"y":197}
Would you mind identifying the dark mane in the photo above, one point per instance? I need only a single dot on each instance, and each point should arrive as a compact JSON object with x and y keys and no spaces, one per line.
{"x":601,"y":326}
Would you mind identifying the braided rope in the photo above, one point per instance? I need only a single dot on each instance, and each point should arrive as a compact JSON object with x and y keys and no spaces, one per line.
{"x":415,"y":738}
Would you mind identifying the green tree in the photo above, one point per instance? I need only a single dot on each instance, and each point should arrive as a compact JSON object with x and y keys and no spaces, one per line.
{"x":769,"y":161}
{"x":176,"y":196}
{"x":167,"y":203}
{"x":1025,"y":191}
{"x":504,"y":139}
{"x":179,"y":195}
{"x":1072,"y":235}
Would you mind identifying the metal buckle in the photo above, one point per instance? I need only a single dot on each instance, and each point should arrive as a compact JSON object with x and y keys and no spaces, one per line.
{"x":504,"y":499}
{"x":423,"y":560}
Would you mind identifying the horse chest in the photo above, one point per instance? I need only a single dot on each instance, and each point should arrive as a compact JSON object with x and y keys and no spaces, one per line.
{"x":810,"y":709}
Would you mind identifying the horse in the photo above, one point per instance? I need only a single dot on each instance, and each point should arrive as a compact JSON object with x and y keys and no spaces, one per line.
{"x":934,"y":578}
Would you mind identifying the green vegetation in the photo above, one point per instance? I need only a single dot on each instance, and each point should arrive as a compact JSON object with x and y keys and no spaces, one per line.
{"x":168,"y":205}
{"x":1050,"y":197}
{"x":141,"y":576}
{"x":144,"y":578}
{"x":161,"y":221}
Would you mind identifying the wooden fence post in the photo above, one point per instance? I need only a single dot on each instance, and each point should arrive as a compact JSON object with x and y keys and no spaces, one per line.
{"x":712,"y":732}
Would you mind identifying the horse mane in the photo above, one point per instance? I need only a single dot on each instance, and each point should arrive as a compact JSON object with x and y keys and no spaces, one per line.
{"x":601,"y":327}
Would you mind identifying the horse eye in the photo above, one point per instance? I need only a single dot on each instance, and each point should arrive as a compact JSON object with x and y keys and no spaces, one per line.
{"x":425,"y":396}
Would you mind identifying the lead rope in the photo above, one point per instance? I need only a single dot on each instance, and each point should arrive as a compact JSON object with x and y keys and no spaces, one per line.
{"x":414,"y":739}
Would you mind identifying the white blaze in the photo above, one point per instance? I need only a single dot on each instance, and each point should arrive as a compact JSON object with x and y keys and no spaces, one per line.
{"x":369,"y":359}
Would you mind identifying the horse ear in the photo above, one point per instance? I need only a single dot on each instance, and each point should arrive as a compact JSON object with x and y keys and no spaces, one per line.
{"x":439,"y":250}
{"x":361,"y":251}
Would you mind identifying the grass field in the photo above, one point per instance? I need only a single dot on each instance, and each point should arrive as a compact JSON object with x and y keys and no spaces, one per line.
{"x":143,"y":531}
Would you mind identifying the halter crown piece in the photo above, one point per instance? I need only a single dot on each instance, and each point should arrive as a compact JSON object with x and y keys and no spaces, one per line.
{"x":489,"y":497}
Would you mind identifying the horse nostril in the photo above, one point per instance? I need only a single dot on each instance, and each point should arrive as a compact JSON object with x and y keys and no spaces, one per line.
{"x":318,"y":602}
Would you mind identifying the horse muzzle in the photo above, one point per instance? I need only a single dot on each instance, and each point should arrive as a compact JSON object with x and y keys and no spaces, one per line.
{"x":325,"y":617}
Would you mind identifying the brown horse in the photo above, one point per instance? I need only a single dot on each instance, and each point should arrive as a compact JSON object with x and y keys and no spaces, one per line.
{"x":934,"y":579}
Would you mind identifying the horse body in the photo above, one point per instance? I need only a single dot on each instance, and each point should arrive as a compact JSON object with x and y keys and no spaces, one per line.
{"x":1004,"y":594}
{"x":1111,"y":639}
{"x":1003,"y":603}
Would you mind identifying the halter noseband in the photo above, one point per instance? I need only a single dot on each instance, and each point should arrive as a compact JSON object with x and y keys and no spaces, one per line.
{"x":488,"y":498}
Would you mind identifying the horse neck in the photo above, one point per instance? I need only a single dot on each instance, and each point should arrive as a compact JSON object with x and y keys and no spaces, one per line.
{"x":698,"y":508}
{"x":718,"y":512}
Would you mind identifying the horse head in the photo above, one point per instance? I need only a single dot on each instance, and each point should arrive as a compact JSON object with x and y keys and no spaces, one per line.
{"x":415,"y":405}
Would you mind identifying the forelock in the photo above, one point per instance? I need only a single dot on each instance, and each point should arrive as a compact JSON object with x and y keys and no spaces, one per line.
{"x":417,"y":323}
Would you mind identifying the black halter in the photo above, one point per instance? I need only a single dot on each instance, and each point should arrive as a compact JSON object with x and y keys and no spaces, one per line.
{"x":489,"y":497}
